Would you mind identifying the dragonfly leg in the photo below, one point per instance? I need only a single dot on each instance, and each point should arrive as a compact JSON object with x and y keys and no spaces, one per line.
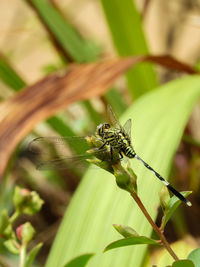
{"x":102,"y":146}
{"x":121,"y":156}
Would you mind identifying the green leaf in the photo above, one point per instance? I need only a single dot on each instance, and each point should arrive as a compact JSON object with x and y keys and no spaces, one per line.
{"x":125,"y":231}
{"x":72,"y":43}
{"x":79,"y":49}
{"x":94,"y":116}
{"x":137,"y":240}
{"x":115,"y":99}
{"x":4,"y":221}
{"x":79,"y":261}
{"x":8,"y":232}
{"x":12,"y":246}
{"x":159,"y":119}
{"x":128,"y":36}
{"x":173,"y":205}
{"x":64,"y":130}
{"x":32,"y":255}
{"x":194,"y":256}
{"x":183,"y":263}
{"x":9,"y":76}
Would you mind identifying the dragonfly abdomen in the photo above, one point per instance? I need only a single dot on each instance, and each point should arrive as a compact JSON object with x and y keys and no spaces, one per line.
{"x":129,"y":152}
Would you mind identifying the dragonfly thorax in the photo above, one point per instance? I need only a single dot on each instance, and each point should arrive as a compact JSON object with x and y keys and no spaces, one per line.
{"x":116,"y":139}
{"x":101,"y":128}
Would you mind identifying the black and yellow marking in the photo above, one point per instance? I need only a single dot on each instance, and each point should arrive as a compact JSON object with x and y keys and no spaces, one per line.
{"x":119,"y":140}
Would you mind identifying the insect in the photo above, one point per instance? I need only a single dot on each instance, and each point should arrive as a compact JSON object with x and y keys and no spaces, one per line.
{"x":117,"y":138}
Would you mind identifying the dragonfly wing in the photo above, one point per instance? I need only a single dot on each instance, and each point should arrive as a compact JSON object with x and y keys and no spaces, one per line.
{"x":114,"y":122}
{"x":112,"y":117}
{"x":127,"y":127}
{"x":44,"y":145}
{"x":73,"y":163}
{"x":52,"y":152}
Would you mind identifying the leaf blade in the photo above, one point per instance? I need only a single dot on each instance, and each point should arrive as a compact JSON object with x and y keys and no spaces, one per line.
{"x":138,"y":240}
{"x":194,"y":256}
{"x":85,"y":224}
{"x":32,"y":255}
{"x":79,"y":261}
{"x":128,"y":36}
{"x":173,"y":205}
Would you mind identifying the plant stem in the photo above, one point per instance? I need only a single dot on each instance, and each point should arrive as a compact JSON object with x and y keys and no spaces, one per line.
{"x":155,"y":227}
{"x":14,"y":216}
{"x":22,"y":256}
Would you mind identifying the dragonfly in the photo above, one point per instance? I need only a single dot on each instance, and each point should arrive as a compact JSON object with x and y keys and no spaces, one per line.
{"x":112,"y":136}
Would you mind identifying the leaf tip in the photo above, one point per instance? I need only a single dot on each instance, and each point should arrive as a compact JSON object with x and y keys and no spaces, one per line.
{"x":105,"y":249}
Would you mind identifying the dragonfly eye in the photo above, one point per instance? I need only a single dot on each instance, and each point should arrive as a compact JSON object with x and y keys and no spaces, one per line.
{"x":106,"y":126}
{"x":101,"y":128}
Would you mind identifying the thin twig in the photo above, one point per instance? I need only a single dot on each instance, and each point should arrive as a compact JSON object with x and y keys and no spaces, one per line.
{"x":155,"y":227}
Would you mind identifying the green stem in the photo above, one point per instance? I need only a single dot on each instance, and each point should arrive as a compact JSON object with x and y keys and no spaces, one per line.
{"x":155,"y":227}
{"x":14,"y":216}
{"x":22,"y":256}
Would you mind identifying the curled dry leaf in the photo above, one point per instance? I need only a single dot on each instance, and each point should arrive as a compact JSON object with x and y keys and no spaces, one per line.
{"x":46,"y":97}
{"x":21,"y":113}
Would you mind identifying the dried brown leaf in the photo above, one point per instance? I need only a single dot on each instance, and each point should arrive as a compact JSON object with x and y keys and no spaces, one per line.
{"x":20,"y":114}
{"x":41,"y":100}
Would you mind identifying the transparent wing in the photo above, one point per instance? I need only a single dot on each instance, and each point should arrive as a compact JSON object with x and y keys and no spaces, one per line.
{"x":73,"y":163}
{"x":55,"y":152}
{"x":114,"y":122}
{"x":62,"y":145}
{"x":127,"y":127}
{"x":112,"y":118}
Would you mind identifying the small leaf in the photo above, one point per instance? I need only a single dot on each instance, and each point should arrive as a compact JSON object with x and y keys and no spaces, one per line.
{"x":4,"y":221}
{"x":12,"y":246}
{"x":130,"y":241}
{"x":32,"y":255}
{"x":79,"y":261}
{"x":173,"y":205}
{"x":8,"y":232}
{"x":194,"y":256}
{"x":183,"y":263}
{"x":126,"y":231}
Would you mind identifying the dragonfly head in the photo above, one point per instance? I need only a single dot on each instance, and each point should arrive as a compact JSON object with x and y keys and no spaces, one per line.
{"x":102,"y":127}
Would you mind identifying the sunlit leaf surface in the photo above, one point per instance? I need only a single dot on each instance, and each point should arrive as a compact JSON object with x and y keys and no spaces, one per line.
{"x":195,"y":257}
{"x":159,"y":119}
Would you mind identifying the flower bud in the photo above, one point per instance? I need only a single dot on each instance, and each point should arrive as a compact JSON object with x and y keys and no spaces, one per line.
{"x":27,"y":202}
{"x":25,"y":232}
